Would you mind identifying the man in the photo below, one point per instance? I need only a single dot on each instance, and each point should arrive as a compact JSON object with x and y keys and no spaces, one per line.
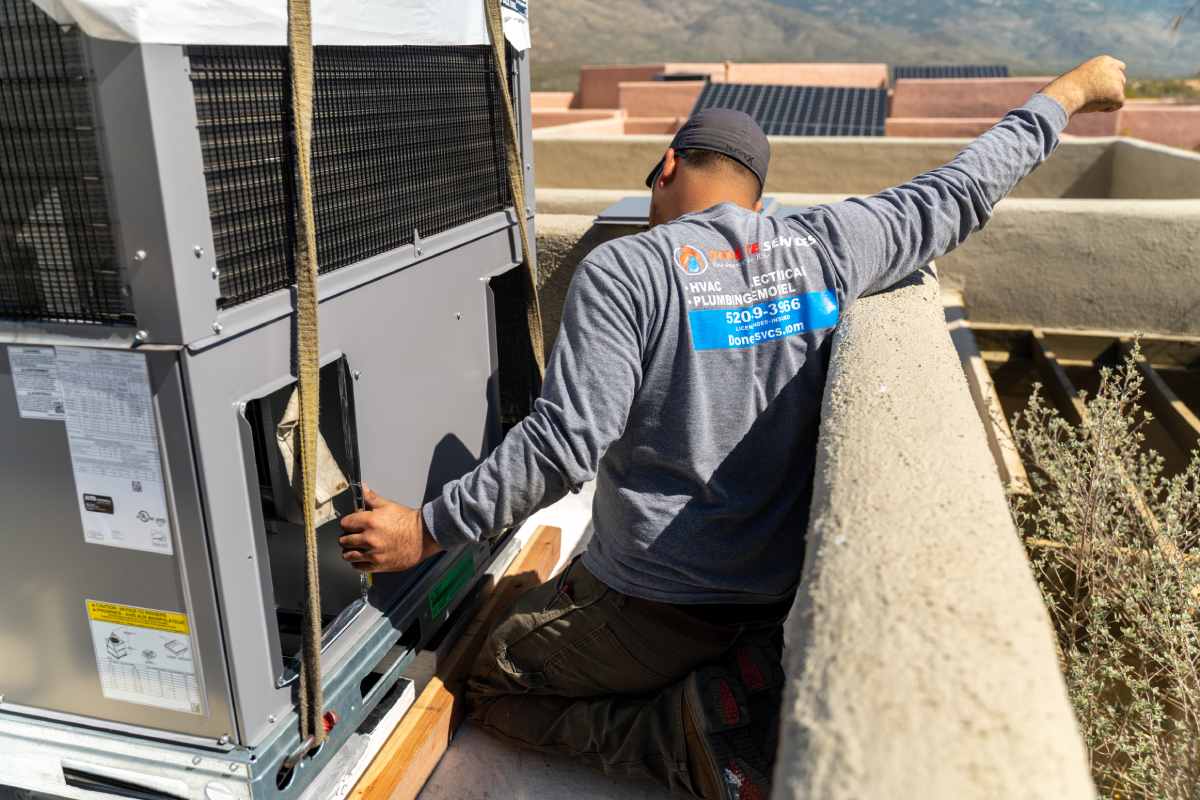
{"x":687,"y":380}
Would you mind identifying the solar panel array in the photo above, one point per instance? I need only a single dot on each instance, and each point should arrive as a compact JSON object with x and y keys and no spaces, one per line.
{"x":802,"y":110}
{"x":951,"y":71}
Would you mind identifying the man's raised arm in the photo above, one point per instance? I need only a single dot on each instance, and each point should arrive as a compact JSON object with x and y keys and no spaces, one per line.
{"x":877,"y":241}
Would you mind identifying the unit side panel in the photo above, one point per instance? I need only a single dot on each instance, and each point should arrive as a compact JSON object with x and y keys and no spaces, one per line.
{"x":49,"y":572}
{"x":420,"y":342}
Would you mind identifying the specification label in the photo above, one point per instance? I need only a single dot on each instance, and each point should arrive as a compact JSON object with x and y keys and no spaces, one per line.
{"x":144,"y":656}
{"x":114,"y":449}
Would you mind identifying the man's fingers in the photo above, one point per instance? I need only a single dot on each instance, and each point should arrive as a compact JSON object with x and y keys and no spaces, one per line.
{"x":356,"y":541}
{"x":356,"y":522}
{"x":373,"y":499}
{"x":356,"y":557}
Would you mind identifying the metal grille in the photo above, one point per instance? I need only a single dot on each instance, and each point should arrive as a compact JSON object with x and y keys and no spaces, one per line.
{"x":56,"y":250}
{"x":802,"y":110}
{"x":406,"y":141}
{"x":951,"y":71}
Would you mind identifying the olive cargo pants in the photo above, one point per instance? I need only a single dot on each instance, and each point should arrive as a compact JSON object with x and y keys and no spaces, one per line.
{"x":579,"y":669}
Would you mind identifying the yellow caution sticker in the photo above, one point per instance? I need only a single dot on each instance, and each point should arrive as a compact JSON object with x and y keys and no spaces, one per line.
{"x":117,"y":614}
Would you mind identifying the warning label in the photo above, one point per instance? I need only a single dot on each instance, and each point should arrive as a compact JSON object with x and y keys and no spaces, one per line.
{"x":144,"y":656}
{"x":35,"y":379}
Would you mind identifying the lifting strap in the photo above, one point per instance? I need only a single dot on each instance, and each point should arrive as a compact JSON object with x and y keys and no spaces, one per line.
{"x":307,"y":355}
{"x":516,"y":184}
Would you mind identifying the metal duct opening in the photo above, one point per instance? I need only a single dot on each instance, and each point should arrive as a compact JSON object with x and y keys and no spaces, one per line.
{"x":56,"y":251}
{"x":406,"y":139}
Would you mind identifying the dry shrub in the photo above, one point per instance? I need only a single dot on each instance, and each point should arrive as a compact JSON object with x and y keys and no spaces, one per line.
{"x":1122,"y":585}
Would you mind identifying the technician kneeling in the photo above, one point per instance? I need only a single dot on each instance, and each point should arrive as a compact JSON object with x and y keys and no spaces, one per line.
{"x":687,"y":380}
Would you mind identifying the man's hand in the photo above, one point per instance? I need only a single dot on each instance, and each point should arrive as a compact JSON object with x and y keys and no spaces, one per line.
{"x":1095,"y":85}
{"x":387,"y":537}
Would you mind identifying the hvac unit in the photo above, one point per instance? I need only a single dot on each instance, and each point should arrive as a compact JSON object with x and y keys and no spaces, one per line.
{"x":153,"y":568}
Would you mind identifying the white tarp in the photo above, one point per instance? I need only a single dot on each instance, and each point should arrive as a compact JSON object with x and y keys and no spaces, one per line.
{"x":264,"y":22}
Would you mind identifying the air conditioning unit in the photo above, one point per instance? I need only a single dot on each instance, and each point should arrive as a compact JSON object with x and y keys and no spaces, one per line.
{"x":153,"y":569}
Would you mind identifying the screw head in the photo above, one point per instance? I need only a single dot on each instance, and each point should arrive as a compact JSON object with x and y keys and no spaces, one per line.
{"x":141,"y":336}
{"x":140,"y":255}
{"x":217,"y":327}
{"x":224,"y":739}
{"x":271,"y":718}
{"x":215,"y":273}
{"x":198,"y":251}
{"x":458,"y":315}
{"x":195,"y":761}
{"x":233,"y":767}
{"x":356,"y":374}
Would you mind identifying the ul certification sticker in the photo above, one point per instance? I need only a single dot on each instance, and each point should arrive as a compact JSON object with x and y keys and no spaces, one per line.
{"x":114,"y":449}
{"x":145,"y":656}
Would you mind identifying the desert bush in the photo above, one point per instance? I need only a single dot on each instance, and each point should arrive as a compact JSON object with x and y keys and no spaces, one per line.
{"x":1113,"y":540}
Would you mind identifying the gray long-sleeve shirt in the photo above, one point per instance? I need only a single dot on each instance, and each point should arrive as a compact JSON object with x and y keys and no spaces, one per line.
{"x":689,"y":369}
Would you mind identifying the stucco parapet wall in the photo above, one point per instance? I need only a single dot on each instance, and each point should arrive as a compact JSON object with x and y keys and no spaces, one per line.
{"x":920,"y":660}
{"x":851,"y":165}
{"x":1128,"y":265}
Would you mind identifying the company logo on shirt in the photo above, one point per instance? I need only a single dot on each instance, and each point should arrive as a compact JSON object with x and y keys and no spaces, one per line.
{"x":690,"y":259}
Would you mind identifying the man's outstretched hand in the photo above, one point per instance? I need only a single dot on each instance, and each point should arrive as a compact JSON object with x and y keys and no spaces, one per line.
{"x":387,"y":537}
{"x":1097,"y":84}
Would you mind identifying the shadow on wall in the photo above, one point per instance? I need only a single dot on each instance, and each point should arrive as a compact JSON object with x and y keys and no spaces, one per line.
{"x":560,"y":249}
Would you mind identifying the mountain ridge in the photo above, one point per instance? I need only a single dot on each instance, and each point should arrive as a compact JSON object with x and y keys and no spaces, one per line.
{"x":1030,"y":36}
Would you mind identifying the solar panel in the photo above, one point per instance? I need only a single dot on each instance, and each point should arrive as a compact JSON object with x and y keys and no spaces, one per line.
{"x":951,"y":71}
{"x":802,"y":110}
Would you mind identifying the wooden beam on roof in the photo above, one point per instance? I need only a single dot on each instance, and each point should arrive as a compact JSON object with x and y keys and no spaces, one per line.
{"x":1175,"y":416}
{"x":987,"y":401}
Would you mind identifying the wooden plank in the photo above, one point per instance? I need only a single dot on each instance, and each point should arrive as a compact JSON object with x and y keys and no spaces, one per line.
{"x":987,"y":401}
{"x":1058,"y":384}
{"x":1181,"y":340}
{"x":1073,"y":409}
{"x":413,"y":750}
{"x":1177,"y":418}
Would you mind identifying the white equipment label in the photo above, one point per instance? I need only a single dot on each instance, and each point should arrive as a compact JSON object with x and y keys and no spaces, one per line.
{"x":35,"y":379}
{"x":114,"y":449}
{"x":144,"y":656}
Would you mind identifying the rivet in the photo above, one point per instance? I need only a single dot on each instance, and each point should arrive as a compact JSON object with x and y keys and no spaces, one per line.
{"x":140,"y":255}
{"x":198,"y":251}
{"x":357,"y":374}
{"x":224,"y":739}
{"x":233,"y":767}
{"x":141,"y":336}
{"x":271,"y":718}
{"x":215,"y":273}
{"x":458,"y":315}
{"x":217,"y":327}
{"x":195,"y":761}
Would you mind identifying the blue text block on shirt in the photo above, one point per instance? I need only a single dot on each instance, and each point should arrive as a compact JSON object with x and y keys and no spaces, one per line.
{"x":748,"y":326}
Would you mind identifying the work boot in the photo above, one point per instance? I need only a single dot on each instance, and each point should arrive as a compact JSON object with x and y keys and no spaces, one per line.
{"x":761,"y":674}
{"x":724,"y":760}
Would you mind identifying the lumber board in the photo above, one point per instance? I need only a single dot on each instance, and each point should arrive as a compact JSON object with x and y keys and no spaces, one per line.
{"x":413,"y":750}
{"x":987,"y":401}
{"x":1062,"y":390}
{"x":1175,"y":416}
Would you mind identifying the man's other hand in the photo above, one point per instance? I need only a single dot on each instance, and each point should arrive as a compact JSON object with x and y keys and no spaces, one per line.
{"x":1097,"y":84}
{"x":387,"y":537}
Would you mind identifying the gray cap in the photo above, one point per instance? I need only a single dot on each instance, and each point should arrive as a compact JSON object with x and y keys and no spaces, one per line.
{"x":723,"y":130}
